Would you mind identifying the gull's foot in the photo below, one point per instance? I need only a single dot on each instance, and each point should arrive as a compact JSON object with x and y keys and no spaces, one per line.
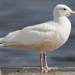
{"x":46,"y":69}
{"x":50,"y":68}
{"x":43,"y":68}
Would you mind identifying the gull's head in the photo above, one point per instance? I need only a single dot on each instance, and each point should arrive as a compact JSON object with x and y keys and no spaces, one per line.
{"x":62,"y":10}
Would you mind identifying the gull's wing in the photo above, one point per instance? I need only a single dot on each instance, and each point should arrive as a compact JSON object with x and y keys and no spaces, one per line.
{"x":32,"y":34}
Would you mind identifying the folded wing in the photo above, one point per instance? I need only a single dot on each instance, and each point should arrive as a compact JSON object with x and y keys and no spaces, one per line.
{"x":30,"y":35}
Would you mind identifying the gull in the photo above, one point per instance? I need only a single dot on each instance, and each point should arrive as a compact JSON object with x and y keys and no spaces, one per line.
{"x":42,"y":37}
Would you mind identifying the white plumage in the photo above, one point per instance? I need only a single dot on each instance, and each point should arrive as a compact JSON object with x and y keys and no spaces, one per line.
{"x":42,"y":37}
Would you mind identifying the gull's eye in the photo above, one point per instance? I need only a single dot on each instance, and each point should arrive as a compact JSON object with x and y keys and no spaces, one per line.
{"x":64,"y":9}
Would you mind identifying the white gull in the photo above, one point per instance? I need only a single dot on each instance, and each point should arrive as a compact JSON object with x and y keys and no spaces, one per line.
{"x":42,"y":37}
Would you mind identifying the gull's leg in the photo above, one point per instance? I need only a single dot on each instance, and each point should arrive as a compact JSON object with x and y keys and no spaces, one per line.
{"x":44,"y":56}
{"x":41,"y":64}
{"x":46,"y":66}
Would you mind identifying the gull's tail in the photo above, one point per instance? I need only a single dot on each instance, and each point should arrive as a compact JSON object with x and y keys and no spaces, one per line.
{"x":7,"y":40}
{"x":1,"y":42}
{"x":4,"y":44}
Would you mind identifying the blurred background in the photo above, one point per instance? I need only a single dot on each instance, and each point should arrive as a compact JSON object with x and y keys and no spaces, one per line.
{"x":16,"y":14}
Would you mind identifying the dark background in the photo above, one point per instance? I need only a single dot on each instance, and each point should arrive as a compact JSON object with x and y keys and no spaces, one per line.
{"x":16,"y":14}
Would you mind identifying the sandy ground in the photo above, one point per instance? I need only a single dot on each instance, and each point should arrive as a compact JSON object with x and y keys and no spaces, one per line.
{"x":36,"y":71}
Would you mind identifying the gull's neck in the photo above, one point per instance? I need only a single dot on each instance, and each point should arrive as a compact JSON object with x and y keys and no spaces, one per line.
{"x":61,"y":20}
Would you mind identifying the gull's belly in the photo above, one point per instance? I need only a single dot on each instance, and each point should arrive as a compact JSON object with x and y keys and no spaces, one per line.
{"x":48,"y":45}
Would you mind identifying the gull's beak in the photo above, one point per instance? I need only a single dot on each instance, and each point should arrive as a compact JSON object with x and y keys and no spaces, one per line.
{"x":72,"y":13}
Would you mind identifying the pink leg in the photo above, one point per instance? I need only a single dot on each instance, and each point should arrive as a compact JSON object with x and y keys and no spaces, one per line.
{"x":44,"y":56}
{"x":41,"y":64}
{"x":46,"y":66}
